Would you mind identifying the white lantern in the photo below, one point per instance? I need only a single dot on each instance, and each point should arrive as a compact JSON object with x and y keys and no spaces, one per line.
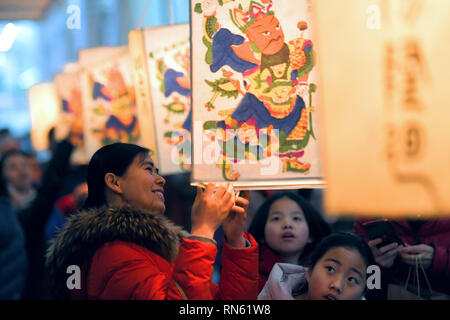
{"x":44,"y":108}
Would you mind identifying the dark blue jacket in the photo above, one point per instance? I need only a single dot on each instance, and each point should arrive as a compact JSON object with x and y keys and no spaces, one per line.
{"x":13,"y":257}
{"x":35,"y":217}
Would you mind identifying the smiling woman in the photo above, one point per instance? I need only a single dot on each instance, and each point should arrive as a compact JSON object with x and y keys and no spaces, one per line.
{"x":148,"y":191}
{"x":127,"y":249}
{"x":130,"y":177}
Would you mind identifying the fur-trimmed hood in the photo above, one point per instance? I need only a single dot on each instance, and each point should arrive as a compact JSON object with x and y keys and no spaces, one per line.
{"x":86,"y":231}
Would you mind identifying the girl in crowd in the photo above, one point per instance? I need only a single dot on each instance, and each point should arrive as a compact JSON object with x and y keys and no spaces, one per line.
{"x":337,"y":271}
{"x":287,"y":227}
{"x":127,"y":249}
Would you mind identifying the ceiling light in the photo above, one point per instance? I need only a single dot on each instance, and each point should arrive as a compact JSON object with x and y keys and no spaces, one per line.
{"x":7,"y":37}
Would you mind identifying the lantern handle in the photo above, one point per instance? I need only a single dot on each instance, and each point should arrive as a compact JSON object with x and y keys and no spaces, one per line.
{"x":169,"y":8}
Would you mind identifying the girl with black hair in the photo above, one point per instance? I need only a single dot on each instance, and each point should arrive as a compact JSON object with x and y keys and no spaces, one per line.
{"x":286,"y":227}
{"x":337,"y":271}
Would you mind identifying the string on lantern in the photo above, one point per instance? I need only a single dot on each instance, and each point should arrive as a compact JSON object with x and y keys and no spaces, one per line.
{"x":147,"y":6}
{"x":144,"y":13}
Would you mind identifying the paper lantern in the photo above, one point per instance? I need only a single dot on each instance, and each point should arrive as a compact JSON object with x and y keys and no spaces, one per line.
{"x":254,"y":101}
{"x":385,"y":78}
{"x":109,"y":104}
{"x":44,"y":108}
{"x":71,"y":111}
{"x":162,"y":69}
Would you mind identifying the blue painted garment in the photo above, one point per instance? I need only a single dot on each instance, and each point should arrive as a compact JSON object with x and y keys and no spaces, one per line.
{"x":223,"y":54}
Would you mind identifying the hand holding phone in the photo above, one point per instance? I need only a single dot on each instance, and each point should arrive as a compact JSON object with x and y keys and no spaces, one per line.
{"x":384,"y":243}
{"x":383,"y":229}
{"x":384,"y":256}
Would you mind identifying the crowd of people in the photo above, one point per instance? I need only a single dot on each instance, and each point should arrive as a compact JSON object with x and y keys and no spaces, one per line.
{"x":134,"y":234}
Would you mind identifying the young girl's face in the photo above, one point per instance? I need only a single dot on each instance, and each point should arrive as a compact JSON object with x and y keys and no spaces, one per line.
{"x":339,"y":275}
{"x":286,"y":230}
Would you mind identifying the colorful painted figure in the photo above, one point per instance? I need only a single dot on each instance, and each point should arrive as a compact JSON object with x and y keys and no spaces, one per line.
{"x":274,"y":87}
{"x":121,"y":125}
{"x":72,"y":113}
{"x":176,"y":87}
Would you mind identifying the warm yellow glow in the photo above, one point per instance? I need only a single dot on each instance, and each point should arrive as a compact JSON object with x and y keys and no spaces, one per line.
{"x":44,"y":108}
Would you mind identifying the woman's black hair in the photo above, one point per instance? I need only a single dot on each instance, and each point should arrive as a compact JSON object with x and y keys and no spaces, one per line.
{"x":342,"y":239}
{"x":114,"y":158}
{"x":318,"y":227}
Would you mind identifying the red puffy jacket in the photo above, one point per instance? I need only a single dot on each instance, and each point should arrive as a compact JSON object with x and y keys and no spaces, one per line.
{"x":127,"y":254}
{"x":267,"y":259}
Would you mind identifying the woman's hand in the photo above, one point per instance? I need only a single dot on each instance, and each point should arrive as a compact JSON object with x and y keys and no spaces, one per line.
{"x":384,"y":256}
{"x":210,"y":209}
{"x":424,"y":252}
{"x":234,"y":224}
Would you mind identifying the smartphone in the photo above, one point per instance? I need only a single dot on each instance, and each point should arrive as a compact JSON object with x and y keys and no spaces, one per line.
{"x":383,"y":229}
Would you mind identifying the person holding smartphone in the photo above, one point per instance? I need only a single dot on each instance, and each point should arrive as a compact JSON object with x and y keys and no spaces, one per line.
{"x":397,"y":244}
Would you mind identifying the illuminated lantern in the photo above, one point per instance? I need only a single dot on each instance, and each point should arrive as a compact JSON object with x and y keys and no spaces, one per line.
{"x":162,"y":69}
{"x":70,"y":118}
{"x":254,"y":95}
{"x":385,"y":107}
{"x":108,"y":98}
{"x":44,"y":107}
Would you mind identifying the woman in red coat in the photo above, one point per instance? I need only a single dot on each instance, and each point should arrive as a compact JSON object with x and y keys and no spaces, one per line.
{"x":127,"y":249}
